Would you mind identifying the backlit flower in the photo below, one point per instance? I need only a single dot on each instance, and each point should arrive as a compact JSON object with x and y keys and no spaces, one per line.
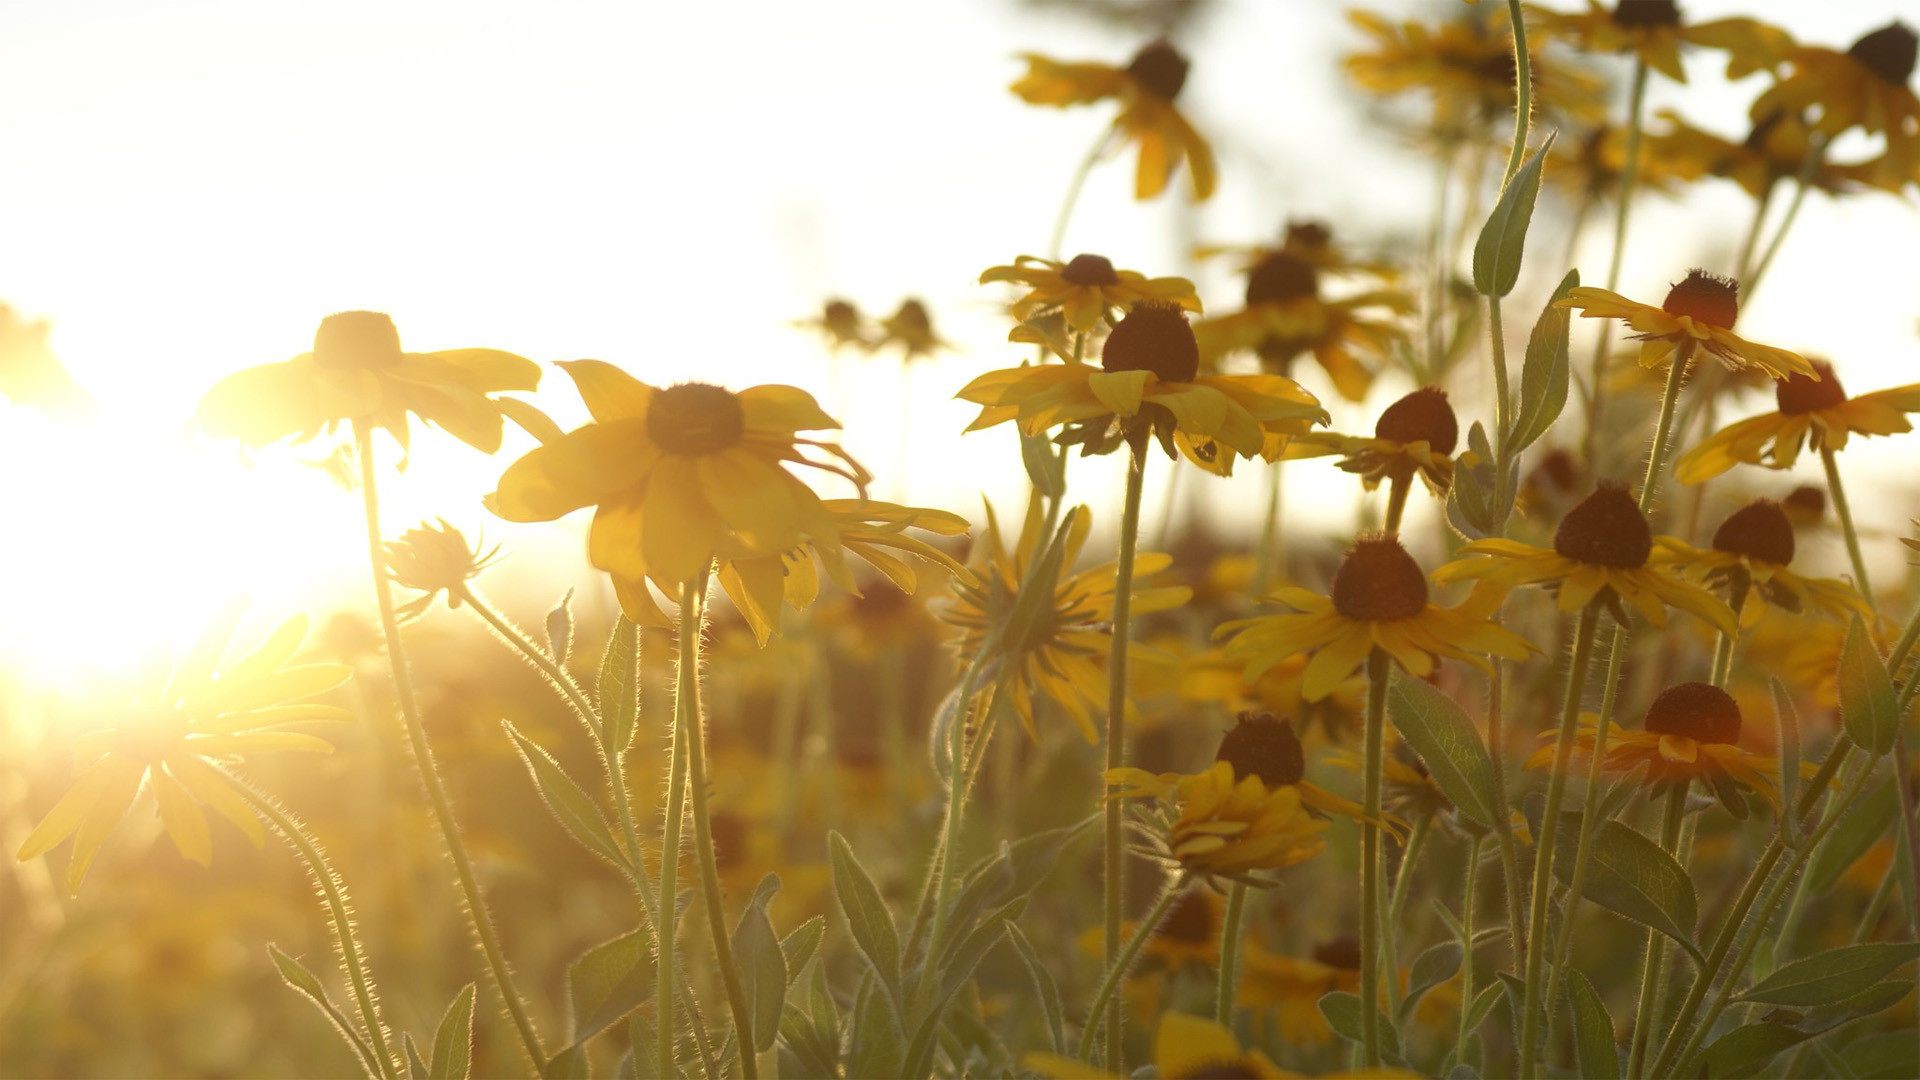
{"x":1812,"y":412}
{"x":911,"y":328}
{"x":434,"y":560}
{"x":1208,"y":824}
{"x":1654,"y":31}
{"x":1775,"y":150}
{"x":1414,"y":435}
{"x":1292,"y":987}
{"x":1145,"y":90}
{"x":1184,"y":1048}
{"x":1749,"y":557}
{"x":1379,"y":599}
{"x":1865,"y":87}
{"x":357,"y":372}
{"x":1700,"y":309}
{"x":841,"y":324}
{"x":1085,"y":289}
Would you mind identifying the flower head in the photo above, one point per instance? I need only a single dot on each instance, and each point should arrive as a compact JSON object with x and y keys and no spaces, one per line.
{"x":434,"y":560}
{"x":1145,"y":90}
{"x":1699,"y":309}
{"x":1085,"y":289}
{"x":1867,"y":87}
{"x":911,"y":328}
{"x":1210,"y":824}
{"x":1184,"y":1048}
{"x":1263,"y":745}
{"x":1414,"y":436}
{"x":1776,"y":149}
{"x":1813,"y":411}
{"x":357,"y":372}
{"x":1748,"y":557}
{"x":1654,"y":31}
{"x":841,"y":324}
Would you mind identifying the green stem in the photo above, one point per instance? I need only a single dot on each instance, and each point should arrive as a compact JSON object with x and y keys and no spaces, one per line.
{"x":1472,"y":876}
{"x":1122,"y":961}
{"x":1844,"y":513}
{"x":340,"y":913}
{"x":1752,"y":241}
{"x":1073,"y":193}
{"x":957,"y":784}
{"x":423,"y":761}
{"x":1379,"y":668}
{"x":1270,"y":562}
{"x":1397,"y":489}
{"x":1809,"y":167}
{"x":1523,"y":90}
{"x":1603,"y":336}
{"x":1394,"y":910}
{"x":1656,"y":944}
{"x":685,"y":695}
{"x":1663,"y":429}
{"x":1537,"y":946}
{"x":1502,"y":393}
{"x":1723,"y":658}
{"x":1223,"y":998}
{"x":1114,"y":866}
{"x":692,"y":600}
{"x":1503,"y":829}
{"x":1416,"y":845}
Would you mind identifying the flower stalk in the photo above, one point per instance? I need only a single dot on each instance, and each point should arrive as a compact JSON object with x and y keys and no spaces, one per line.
{"x":1603,"y":337}
{"x":1113,"y":898}
{"x":1229,"y":985}
{"x":1103,"y":998}
{"x":1372,"y":913}
{"x":1650,"y":977}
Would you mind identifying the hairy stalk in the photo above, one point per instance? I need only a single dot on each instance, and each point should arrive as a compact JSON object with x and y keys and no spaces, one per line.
{"x":1395,"y":910}
{"x":1114,"y":896}
{"x":1676,"y":811}
{"x":1471,"y":877}
{"x":1502,"y":393}
{"x":686,"y":677}
{"x":340,"y":915}
{"x":476,"y":905}
{"x":1603,"y":335}
{"x":1379,"y":668}
{"x":1229,"y":985}
{"x":957,"y":783}
{"x":1503,"y":809}
{"x":1122,"y":961}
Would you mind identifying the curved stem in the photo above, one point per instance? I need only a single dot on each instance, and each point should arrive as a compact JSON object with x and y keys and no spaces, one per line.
{"x":1397,"y":489}
{"x":1379,"y":668}
{"x":1073,"y":192}
{"x":1114,"y":865}
{"x":1656,"y":944}
{"x":1121,"y":962}
{"x":339,"y":911}
{"x":477,"y":916}
{"x":1229,"y":985}
{"x":1603,"y":337}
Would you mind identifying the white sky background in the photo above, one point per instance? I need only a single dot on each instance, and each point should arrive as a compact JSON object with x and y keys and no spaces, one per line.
{"x":186,"y":189}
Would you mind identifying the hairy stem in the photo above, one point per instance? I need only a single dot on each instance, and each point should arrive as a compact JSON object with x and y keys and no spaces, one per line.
{"x":1114,"y":865}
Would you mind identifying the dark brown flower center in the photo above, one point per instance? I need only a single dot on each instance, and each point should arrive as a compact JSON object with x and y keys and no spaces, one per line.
{"x":1759,"y":530}
{"x":1154,"y":336}
{"x":913,"y":314}
{"x":1799,"y":394}
{"x":1423,"y":415}
{"x":1090,"y":270}
{"x":1311,"y":237}
{"x":1282,"y":276}
{"x":1160,"y":70}
{"x":1342,"y":952}
{"x":1265,"y":746}
{"x":1560,"y":468}
{"x":1700,"y":711}
{"x":1710,"y":298}
{"x":1189,"y":920}
{"x":1378,"y":581}
{"x":1606,"y":529}
{"x":1888,"y":52}
{"x":841,"y":313}
{"x":1646,"y":13}
{"x":1806,"y":500}
{"x":693,"y":419}
{"x":356,"y":339}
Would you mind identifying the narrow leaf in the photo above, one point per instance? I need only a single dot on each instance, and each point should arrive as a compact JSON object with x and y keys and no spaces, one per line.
{"x":1744,"y":1051}
{"x":1496,"y":255}
{"x":1593,"y":1040}
{"x":1044,"y":986}
{"x":1874,"y":999}
{"x":609,"y":981}
{"x":1482,"y":1007}
{"x":1868,"y":705}
{"x":762,"y":966}
{"x":1441,"y":733}
{"x":867,"y":914}
{"x":306,"y":985}
{"x":416,"y":1067}
{"x":1544,"y":376}
{"x":1865,"y":825}
{"x":1630,"y":876}
{"x":1832,"y":975}
{"x":1342,"y":1011}
{"x":453,"y":1042}
{"x":799,"y":946}
{"x":620,"y":686}
{"x":572,"y":807}
{"x":1043,"y":465}
{"x":1431,"y":968}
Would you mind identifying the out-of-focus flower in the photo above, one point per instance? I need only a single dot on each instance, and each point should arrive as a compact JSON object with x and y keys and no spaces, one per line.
{"x":435,"y":559}
{"x":1865,"y":87}
{"x":841,"y":324}
{"x":1184,"y":1048}
{"x":1812,"y":412}
{"x":1653,"y":31}
{"x":1776,"y":149}
{"x":1263,"y":745}
{"x":1292,"y":987}
{"x":1590,"y":168}
{"x":31,"y":375}
{"x":357,"y":372}
{"x":1749,"y":557}
{"x":1208,"y":824}
{"x":1414,"y":435}
{"x":172,"y":739}
{"x":1145,"y":89}
{"x":911,"y":328}
{"x":1085,"y":289}
{"x":1701,"y":309}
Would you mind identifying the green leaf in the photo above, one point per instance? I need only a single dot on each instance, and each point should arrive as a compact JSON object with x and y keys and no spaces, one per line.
{"x":620,"y":686}
{"x":306,"y":985}
{"x":1876,"y":998}
{"x":1544,"y":377}
{"x":1744,"y":1051}
{"x":1496,"y":255}
{"x":572,"y":807}
{"x":867,"y":914}
{"x":1439,"y":731}
{"x":1483,"y":1003}
{"x":878,"y":1048}
{"x":642,"y":1041}
{"x":453,"y":1041}
{"x":609,"y":981}
{"x":1593,"y":1040}
{"x":1479,"y":503}
{"x":1044,"y":987}
{"x":825,"y":1013}
{"x":957,"y":968}
{"x":1850,"y":838}
{"x":1630,"y":876}
{"x":799,"y":946}
{"x":800,"y":1039}
{"x":1342,"y":1011}
{"x":1788,"y":719}
{"x":762,"y":966}
{"x":1013,"y":871}
{"x":416,"y":1068}
{"x":560,"y":629}
{"x":1045,"y":467}
{"x":567,"y":1064}
{"x":1868,"y":705}
{"x":1431,"y":968}
{"x":1832,"y":975}
{"x":1894,"y":1055}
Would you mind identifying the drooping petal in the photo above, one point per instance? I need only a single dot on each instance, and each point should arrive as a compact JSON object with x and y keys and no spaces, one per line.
{"x":610,"y":393}
{"x":182,"y":817}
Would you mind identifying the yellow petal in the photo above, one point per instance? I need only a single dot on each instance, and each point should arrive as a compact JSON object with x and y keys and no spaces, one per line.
{"x":182,"y":817}
{"x":121,"y":782}
{"x":610,"y":393}
{"x":215,"y":788}
{"x":1119,"y":392}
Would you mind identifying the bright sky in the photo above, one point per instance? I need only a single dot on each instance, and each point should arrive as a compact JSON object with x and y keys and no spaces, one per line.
{"x":185,"y":189}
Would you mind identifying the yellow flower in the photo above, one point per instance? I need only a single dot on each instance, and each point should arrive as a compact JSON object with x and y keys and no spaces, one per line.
{"x":356,"y":372}
{"x":1591,"y":167}
{"x":1208,"y":824}
{"x":1310,"y":241}
{"x":1701,"y":309}
{"x":1775,"y":150}
{"x":1414,"y":435}
{"x":1293,"y":986}
{"x":1260,"y":744}
{"x":1749,"y":557}
{"x":1407,"y":787}
{"x":1061,"y":652}
{"x":1652,"y":30}
{"x":31,"y":375}
{"x":1210,"y":676}
{"x":1378,"y":600}
{"x":911,"y":328}
{"x":172,"y":738}
{"x":434,"y":560}
{"x":840,"y":323}
{"x":1184,"y":1048}
{"x":1285,"y":316}
{"x":1865,"y":87}
{"x":1145,"y":89}
{"x":1148,"y":383}
{"x":1600,"y":554}
{"x":1085,"y":289}
{"x":1812,"y":411}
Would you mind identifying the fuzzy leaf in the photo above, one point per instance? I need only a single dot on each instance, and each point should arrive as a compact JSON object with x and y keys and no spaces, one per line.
{"x":1441,"y":733}
{"x":1593,"y":1040}
{"x":1865,"y":825}
{"x":609,"y":981}
{"x":1744,"y":1051}
{"x":560,"y":629}
{"x":762,"y":966}
{"x":1868,"y":705}
{"x":1044,"y":986}
{"x":1787,"y":718}
{"x":453,"y":1042}
{"x":1342,"y":1011}
{"x":1832,"y":975}
{"x":1544,"y":377}
{"x":799,"y":946}
{"x":1431,"y":968}
{"x":571,"y":806}
{"x":1496,"y":255}
{"x":867,"y":914}
{"x":306,"y":985}
{"x":1045,"y":467}
{"x":1630,"y":876}
{"x":416,"y":1066}
{"x":620,"y":686}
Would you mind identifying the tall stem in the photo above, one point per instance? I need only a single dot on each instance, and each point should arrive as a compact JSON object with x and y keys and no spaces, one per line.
{"x":1503,"y":810}
{"x":423,"y":761}
{"x":1379,"y":668}
{"x":1114,"y":897}
{"x":1467,"y":915}
{"x":686,"y":694}
{"x":339,"y":912}
{"x":1752,"y":241}
{"x":1502,"y":395}
{"x":1270,"y":562}
{"x":1843,"y":511}
{"x":1073,"y":193}
{"x":1122,"y":961}
{"x":1603,"y":336}
{"x":1229,"y":985}
{"x":1809,"y":168}
{"x":1650,"y":975}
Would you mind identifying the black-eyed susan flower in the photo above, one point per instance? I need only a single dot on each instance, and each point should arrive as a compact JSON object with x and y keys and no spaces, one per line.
{"x":1700,"y":309}
{"x":358,"y":373}
{"x":435,"y":559}
{"x":841,"y":324}
{"x":1775,"y":150}
{"x":1061,"y":653}
{"x":1145,"y":89}
{"x":1285,"y":316}
{"x":1748,"y":557}
{"x":1148,"y":384}
{"x":174,"y":737}
{"x":1591,"y":168}
{"x":1263,"y":745}
{"x":1654,"y":31}
{"x":1407,"y":787}
{"x":1379,"y":599}
{"x":1187,"y":937}
{"x":1865,"y":87}
{"x":1310,"y":241}
{"x":1085,"y":289}
{"x":1413,"y":437}
{"x":1210,"y":825}
{"x":911,"y":328}
{"x":1600,"y":554}
{"x":1290,"y":987}
{"x":1812,"y":412}
{"x":1184,"y":1048}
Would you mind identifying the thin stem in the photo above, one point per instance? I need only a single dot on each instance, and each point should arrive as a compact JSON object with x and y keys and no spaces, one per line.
{"x":1472,"y":876}
{"x":1122,"y":961}
{"x":1650,"y":975}
{"x":423,"y":761}
{"x":1503,"y":831}
{"x":1752,"y":241}
{"x":1809,"y":167}
{"x":1270,"y":562}
{"x":1114,"y":866}
{"x":692,"y":600}
{"x":1663,"y":429}
{"x":1229,"y":985}
{"x":1397,"y":489}
{"x":1723,"y":659}
{"x":1073,"y":192}
{"x":1416,"y":846}
{"x":339,"y":913}
{"x":1502,"y":394}
{"x":685,"y":695}
{"x":1379,"y":668}
{"x":1603,"y":337}
{"x":957,"y":784}
{"x":1549,"y":826}
{"x":1395,"y":909}
{"x":1844,"y":513}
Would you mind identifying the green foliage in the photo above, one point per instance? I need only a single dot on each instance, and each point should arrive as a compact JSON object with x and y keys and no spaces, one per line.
{"x":1593,"y":1041}
{"x":1868,"y":703}
{"x":762,"y":963}
{"x":453,"y":1040}
{"x":571,"y":806}
{"x":1545,"y":377}
{"x":1630,"y":876}
{"x":1496,"y":254}
{"x":1445,"y":738}
{"x":1831,"y":976}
